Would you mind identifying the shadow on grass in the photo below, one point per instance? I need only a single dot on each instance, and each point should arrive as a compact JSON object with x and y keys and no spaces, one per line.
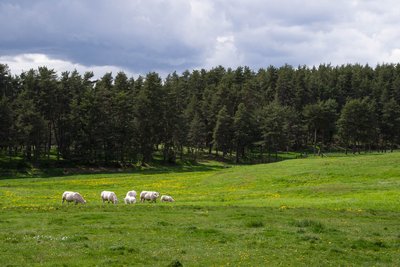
{"x":18,"y":168}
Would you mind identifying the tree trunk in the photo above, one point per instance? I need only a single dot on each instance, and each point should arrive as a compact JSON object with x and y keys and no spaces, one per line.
{"x":10,"y":152}
{"x":49,"y":144}
{"x":28,"y":152}
{"x":237,"y":153}
{"x":320,"y":150}
{"x":36,"y":152}
{"x":165,"y":154}
{"x":315,"y":142}
{"x":58,"y":141}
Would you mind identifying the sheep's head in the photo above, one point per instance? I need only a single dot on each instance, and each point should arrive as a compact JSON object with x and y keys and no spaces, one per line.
{"x":79,"y":198}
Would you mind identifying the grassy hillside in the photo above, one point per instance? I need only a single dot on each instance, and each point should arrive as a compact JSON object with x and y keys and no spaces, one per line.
{"x":315,"y":211}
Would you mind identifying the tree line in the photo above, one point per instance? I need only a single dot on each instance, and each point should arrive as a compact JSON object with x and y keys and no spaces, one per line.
{"x":239,"y":112}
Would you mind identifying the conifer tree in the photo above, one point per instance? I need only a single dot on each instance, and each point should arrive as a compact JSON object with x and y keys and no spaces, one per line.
{"x":242,"y":125}
{"x":357,"y":124}
{"x":148,"y":115}
{"x":222,"y":136}
{"x":390,"y":123}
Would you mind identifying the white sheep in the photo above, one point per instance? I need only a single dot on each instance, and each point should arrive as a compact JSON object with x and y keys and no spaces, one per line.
{"x":131,"y":193}
{"x":70,"y":196}
{"x":142,"y":195}
{"x":130,"y":200}
{"x":165,"y":198}
{"x":149,"y":195}
{"x":109,"y":196}
{"x":130,"y":197}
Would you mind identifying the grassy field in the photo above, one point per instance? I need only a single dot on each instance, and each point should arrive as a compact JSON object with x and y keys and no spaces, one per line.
{"x":316,"y":211}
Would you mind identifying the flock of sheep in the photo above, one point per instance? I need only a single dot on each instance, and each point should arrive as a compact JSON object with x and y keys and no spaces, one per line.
{"x":109,"y":196}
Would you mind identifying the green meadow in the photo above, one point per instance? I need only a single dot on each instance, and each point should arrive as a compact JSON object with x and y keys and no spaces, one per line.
{"x":332,"y":211}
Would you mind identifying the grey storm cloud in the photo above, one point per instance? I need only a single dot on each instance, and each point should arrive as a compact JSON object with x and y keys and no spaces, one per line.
{"x":161,"y":35}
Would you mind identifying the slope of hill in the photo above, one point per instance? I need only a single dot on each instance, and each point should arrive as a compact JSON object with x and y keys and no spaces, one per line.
{"x":314,"y":211}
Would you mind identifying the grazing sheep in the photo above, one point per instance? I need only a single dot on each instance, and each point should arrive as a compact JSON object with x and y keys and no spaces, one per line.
{"x":131,"y":194}
{"x":165,"y":198}
{"x":142,"y":195}
{"x":109,"y":196}
{"x":70,"y":196}
{"x":149,"y":195}
{"x":130,"y":200}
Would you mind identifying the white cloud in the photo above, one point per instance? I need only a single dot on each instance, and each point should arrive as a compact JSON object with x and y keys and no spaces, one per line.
{"x":25,"y":62}
{"x":394,"y":56}
{"x":225,"y":53}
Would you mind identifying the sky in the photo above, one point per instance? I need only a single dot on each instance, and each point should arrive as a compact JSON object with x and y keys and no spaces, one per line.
{"x":141,"y":36}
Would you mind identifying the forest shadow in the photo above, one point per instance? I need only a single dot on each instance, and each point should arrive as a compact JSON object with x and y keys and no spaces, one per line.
{"x":19,"y":169}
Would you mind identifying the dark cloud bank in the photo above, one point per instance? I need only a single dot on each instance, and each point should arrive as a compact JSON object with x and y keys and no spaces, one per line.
{"x":142,"y":36}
